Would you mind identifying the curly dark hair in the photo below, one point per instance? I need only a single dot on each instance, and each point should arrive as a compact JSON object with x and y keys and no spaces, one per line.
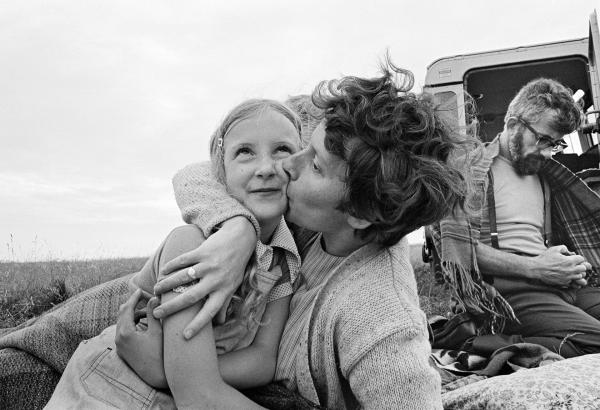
{"x":541,"y":95}
{"x":399,"y":153}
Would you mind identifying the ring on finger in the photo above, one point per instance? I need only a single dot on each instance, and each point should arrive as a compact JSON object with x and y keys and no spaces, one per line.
{"x":191,"y":273}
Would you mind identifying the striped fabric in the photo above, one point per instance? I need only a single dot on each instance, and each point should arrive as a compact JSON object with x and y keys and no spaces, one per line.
{"x":575,"y":215}
{"x":454,"y":239}
{"x":35,"y":353}
{"x":282,"y":238}
{"x":266,"y":259}
{"x":316,"y":268}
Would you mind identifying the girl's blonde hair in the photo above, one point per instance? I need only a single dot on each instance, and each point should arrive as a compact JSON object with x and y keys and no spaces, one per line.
{"x":247,"y":298}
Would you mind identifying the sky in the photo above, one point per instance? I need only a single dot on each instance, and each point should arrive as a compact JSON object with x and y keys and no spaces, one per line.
{"x":101,"y":102}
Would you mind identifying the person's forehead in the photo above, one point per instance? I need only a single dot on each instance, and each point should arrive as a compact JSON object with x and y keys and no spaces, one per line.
{"x":268,"y":123}
{"x":333,"y":163}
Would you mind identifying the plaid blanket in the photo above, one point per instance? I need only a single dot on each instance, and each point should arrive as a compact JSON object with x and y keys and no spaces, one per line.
{"x":575,"y":215}
{"x":34,"y":354}
{"x":455,"y":237}
{"x":575,"y":223}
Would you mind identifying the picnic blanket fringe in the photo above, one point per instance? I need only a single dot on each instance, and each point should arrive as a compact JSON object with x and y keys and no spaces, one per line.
{"x":478,"y":298}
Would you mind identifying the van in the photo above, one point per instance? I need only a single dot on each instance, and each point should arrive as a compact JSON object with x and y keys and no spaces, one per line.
{"x":492,"y":79}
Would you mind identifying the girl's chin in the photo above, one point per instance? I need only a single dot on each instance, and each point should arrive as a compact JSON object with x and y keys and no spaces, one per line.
{"x":268,"y":216}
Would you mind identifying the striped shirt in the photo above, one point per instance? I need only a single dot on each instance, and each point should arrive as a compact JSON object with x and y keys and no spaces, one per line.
{"x":317,"y":266}
{"x":282,"y":238}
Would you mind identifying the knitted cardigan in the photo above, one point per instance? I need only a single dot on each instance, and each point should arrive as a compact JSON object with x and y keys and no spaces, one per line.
{"x":366,"y":344}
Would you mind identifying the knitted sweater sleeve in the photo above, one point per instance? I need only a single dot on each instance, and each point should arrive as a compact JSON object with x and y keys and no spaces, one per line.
{"x":396,"y":374}
{"x":204,"y":201}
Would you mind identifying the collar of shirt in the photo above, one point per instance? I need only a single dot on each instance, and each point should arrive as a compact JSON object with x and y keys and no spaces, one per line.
{"x":282,"y":238}
{"x":493,"y":147}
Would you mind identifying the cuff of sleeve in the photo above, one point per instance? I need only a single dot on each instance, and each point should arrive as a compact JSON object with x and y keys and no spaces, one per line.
{"x":210,"y":224}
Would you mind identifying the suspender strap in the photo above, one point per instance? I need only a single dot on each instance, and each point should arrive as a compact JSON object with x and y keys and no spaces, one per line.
{"x":492,"y":210}
{"x":547,"y":228}
{"x":547,"y":213}
{"x":492,"y":218}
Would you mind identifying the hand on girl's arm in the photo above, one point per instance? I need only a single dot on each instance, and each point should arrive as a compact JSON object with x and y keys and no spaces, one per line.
{"x":204,"y":201}
{"x":220,"y":262}
{"x":142,"y":350}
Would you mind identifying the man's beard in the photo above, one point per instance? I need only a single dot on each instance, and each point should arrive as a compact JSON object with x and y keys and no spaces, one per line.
{"x":528,"y":164}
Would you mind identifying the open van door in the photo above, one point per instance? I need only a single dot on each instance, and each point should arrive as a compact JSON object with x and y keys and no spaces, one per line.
{"x":492,"y":79}
{"x":594,"y":66}
{"x":591,"y":130}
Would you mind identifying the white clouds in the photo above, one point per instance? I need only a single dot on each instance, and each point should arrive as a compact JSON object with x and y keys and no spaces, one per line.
{"x":44,"y":217}
{"x":102,"y":101}
{"x":23,"y":185}
{"x":18,"y":185}
{"x":41,"y":199}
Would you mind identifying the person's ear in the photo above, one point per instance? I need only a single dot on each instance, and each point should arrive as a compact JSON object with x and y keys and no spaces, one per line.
{"x":357,"y":223}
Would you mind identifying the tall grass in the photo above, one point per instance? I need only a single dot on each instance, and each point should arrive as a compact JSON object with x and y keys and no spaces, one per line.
{"x":434,"y":298}
{"x":30,"y":288}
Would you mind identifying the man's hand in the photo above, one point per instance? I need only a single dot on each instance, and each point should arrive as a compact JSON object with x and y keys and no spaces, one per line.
{"x":142,"y":350}
{"x":219,"y":263}
{"x":559,"y":267}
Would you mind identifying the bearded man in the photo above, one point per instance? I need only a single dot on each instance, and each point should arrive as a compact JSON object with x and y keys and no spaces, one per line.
{"x":530,"y":251}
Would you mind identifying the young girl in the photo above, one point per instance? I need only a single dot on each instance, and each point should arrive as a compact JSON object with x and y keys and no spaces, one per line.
{"x":244,"y":150}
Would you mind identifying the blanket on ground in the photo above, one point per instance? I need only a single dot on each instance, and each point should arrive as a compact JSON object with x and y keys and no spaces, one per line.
{"x":54,"y":336}
{"x":565,"y":384}
{"x":34,"y":354}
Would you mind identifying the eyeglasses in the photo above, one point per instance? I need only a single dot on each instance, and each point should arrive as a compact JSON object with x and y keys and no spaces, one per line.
{"x":546,"y":140}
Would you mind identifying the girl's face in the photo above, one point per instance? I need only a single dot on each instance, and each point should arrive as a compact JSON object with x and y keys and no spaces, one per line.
{"x":251,"y":149}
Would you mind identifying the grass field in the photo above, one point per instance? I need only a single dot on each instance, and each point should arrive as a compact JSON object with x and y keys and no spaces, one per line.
{"x":28,"y":289}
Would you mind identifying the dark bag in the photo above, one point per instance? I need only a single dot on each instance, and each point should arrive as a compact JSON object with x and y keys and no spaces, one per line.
{"x":451,"y":333}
